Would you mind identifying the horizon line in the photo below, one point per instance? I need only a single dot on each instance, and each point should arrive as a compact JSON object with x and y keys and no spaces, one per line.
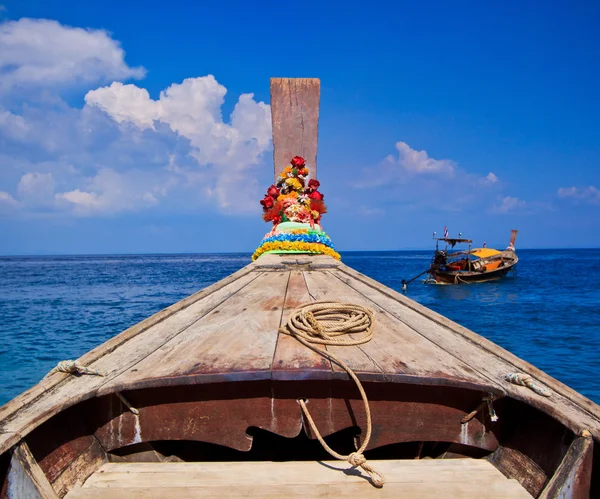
{"x":249,"y":253}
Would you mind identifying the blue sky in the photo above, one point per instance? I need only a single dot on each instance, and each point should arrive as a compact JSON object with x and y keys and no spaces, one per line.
{"x":131,"y":127}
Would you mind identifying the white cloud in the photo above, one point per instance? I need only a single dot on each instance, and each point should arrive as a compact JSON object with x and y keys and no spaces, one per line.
{"x":193,"y":110}
{"x":44,"y":53}
{"x":12,"y":125}
{"x":111,"y":192}
{"x":7,"y":200}
{"x":509,"y":204}
{"x":416,"y":161}
{"x":36,"y":188}
{"x":490,"y":178}
{"x":588,"y":194}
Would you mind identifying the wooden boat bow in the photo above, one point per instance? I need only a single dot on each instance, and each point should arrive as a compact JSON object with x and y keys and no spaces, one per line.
{"x":215,"y":370}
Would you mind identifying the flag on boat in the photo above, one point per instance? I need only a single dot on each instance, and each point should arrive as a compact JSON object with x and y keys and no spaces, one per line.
{"x":446,"y":232}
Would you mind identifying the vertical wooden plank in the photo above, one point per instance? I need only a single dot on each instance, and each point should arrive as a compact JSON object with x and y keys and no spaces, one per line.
{"x":293,"y":360}
{"x":574,"y":475}
{"x":25,"y":477}
{"x":295,"y":119}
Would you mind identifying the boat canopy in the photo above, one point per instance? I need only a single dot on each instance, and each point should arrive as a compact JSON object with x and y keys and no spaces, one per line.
{"x":452,"y":240}
{"x":485,"y":252}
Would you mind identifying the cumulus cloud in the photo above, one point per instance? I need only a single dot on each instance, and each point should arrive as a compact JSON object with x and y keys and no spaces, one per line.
{"x":44,"y":53}
{"x":490,"y":178}
{"x":120,"y":150}
{"x":193,"y":110}
{"x":111,"y":192}
{"x":7,"y":200}
{"x":36,"y":188}
{"x":416,"y":161}
{"x":588,"y":194}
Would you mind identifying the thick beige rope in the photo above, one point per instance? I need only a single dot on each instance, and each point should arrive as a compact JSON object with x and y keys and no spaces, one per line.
{"x":528,"y":381}
{"x":73,"y":367}
{"x":324,"y":323}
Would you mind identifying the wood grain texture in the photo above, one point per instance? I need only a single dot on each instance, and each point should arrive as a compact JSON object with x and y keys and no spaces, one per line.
{"x":235,"y":341}
{"x":460,"y":478}
{"x":25,"y":477}
{"x":295,"y":119}
{"x":573,"y":477}
{"x":292,"y":359}
{"x":515,"y":464}
{"x":80,"y":468}
{"x":395,"y":351}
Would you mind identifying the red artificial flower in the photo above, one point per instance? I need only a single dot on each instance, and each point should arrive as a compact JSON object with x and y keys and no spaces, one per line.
{"x":276,"y":220}
{"x":273,"y":213}
{"x":297,"y":162}
{"x":318,"y":205}
{"x":313,"y":184}
{"x":273,"y":191}
{"x":267,"y":202}
{"x":316,"y":195}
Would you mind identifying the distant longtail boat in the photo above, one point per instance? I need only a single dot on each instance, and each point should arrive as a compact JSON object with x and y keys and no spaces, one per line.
{"x":470,"y":265}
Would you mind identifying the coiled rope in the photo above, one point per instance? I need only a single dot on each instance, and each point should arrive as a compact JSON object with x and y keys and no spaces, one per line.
{"x":325,"y":323}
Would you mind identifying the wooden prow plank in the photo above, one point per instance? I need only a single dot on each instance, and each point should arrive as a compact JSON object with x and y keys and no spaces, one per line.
{"x":295,"y":119}
{"x":25,"y":477}
{"x":513,"y":237}
{"x":573,"y":477}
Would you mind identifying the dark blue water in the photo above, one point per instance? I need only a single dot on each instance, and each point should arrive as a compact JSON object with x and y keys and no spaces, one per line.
{"x":56,"y":308}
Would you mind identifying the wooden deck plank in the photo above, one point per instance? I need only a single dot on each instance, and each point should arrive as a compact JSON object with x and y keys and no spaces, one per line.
{"x":295,"y":119}
{"x":404,"y":478}
{"x":398,"y":352}
{"x":293,"y":360}
{"x":239,"y":336}
{"x":485,"y":357}
{"x":114,"y":362}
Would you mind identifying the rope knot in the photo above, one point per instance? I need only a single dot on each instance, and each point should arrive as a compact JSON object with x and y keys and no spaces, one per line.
{"x":356,"y":459}
{"x":73,"y":367}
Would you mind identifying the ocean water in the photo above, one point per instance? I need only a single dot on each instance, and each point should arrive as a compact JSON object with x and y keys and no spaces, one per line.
{"x":56,"y":308}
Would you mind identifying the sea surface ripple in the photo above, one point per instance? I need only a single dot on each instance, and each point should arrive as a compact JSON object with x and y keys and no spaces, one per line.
{"x":59,"y":307}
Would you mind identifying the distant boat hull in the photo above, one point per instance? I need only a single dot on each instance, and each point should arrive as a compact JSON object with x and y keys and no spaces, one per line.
{"x":498,"y":270}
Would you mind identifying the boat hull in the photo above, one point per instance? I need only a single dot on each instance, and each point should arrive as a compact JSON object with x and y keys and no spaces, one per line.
{"x":467,"y":277}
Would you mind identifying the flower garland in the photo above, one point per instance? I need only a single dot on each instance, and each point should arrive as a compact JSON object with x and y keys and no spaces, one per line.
{"x":287,"y":246}
{"x":296,"y":200}
{"x":292,"y":198}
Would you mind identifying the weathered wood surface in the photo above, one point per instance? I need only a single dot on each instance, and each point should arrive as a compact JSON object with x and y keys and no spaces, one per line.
{"x":80,"y":468}
{"x":192,"y":413}
{"x":513,"y":463}
{"x":289,"y":361}
{"x":573,"y":477}
{"x":295,"y":119}
{"x":489,"y":360}
{"x":229,"y":332}
{"x":25,"y":478}
{"x":459,"y":478}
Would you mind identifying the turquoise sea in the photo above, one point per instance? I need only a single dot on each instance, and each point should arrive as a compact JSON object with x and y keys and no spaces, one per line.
{"x":59,"y":307}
